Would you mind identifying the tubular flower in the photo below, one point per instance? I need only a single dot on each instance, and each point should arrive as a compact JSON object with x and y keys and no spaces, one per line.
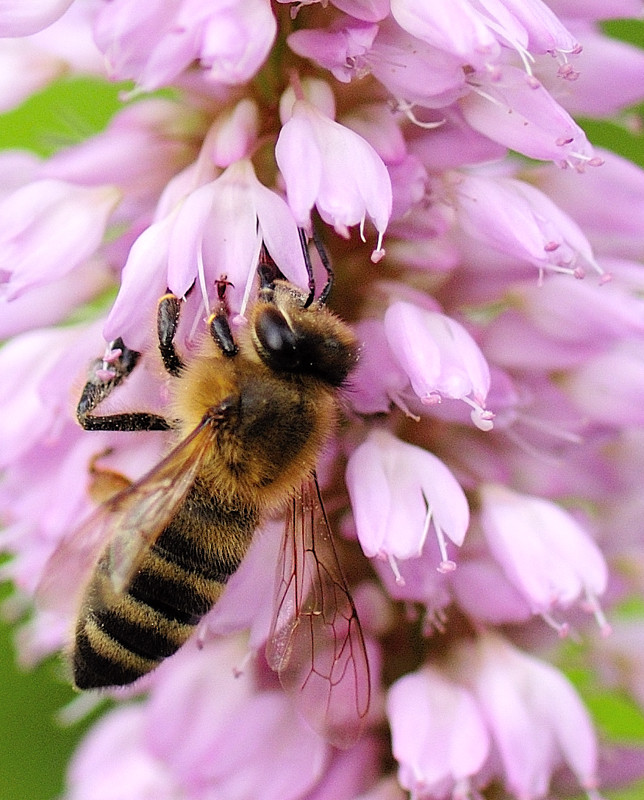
{"x":440,"y":358}
{"x":329,"y":166}
{"x":392,"y":529}
{"x":439,"y":737}
{"x":483,"y":479}
{"x":526,"y":702}
{"x":544,"y":552}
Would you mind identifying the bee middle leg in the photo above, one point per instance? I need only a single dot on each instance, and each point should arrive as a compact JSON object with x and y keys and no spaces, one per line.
{"x":107,"y":375}
{"x":104,"y":483}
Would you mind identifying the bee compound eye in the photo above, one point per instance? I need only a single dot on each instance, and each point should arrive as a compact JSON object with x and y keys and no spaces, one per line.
{"x":278,"y":341}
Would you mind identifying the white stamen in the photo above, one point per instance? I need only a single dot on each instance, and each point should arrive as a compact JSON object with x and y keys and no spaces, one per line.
{"x":446,"y":565}
{"x":400,"y":581}
{"x":592,"y":604}
{"x":201,"y":274}
{"x":200,"y":316}
{"x":427,"y":523}
{"x":408,"y":110}
{"x":379,"y":253}
{"x":481,"y":417}
{"x":526,"y":57}
{"x":239,"y":669}
{"x":562,"y":628}
{"x":251,"y":274}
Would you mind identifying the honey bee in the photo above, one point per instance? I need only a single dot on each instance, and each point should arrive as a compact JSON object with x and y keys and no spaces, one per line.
{"x":251,"y":415}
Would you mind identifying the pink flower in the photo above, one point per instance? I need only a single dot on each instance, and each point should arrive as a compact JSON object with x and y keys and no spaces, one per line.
{"x":518,"y":112}
{"x":415,"y":72}
{"x":34,"y":391}
{"x":439,"y":737}
{"x":235,"y":201}
{"x":199,"y":755}
{"x":452,"y":26}
{"x":112,"y":760}
{"x":596,"y":10}
{"x":620,"y":657}
{"x":440,"y":358}
{"x":28,"y":64}
{"x":329,"y":166}
{"x":23,"y":71}
{"x":397,"y":491}
{"x":563,"y":323}
{"x":601,"y":56}
{"x":368,"y":10}
{"x":194,"y":244}
{"x":484,"y":592}
{"x":543,"y":551}
{"x":340,"y":50}
{"x":154,"y":45}
{"x":142,"y":148}
{"x":48,"y":228}
{"x":608,"y":386}
{"x":611,"y":226}
{"x":536,"y":719}
{"x":546,"y":33}
{"x":378,"y":380}
{"x":519,"y":220}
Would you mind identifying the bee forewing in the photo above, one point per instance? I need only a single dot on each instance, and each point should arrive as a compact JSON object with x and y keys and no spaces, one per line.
{"x":127,"y":525}
{"x":69,"y":566}
{"x":315,"y":642}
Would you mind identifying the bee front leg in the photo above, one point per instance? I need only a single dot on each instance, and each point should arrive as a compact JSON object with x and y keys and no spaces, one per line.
{"x":107,"y":374}
{"x":168,"y":312}
{"x":221,"y":333}
{"x":218,"y":322}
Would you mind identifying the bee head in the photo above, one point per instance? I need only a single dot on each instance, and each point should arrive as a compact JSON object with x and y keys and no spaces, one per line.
{"x":290,"y":337}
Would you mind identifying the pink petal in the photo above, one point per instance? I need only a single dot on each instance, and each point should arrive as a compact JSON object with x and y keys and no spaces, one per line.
{"x":438,"y":735}
{"x":48,"y":228}
{"x":450,"y":25}
{"x":368,"y":10}
{"x":21,"y":19}
{"x":519,"y":113}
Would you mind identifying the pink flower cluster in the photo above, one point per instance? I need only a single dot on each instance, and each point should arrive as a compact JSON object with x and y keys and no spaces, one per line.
{"x":487,"y":479}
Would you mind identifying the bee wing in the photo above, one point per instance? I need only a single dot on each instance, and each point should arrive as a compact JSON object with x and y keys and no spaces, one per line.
{"x":125,"y":526}
{"x":315,"y":642}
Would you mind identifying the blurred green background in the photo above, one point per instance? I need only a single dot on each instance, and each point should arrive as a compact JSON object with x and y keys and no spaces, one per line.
{"x":35,"y":749}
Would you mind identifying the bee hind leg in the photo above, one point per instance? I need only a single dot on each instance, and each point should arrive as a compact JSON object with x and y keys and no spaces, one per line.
{"x":108,"y":373}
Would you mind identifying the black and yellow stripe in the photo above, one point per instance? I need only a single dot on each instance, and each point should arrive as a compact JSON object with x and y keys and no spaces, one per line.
{"x":122,"y":636}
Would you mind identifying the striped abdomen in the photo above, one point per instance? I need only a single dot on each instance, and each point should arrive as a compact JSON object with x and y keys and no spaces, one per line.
{"x":122,"y":636}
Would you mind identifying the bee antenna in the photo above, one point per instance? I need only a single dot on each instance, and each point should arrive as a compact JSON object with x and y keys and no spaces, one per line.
{"x":267,"y":269}
{"x":309,"y":266}
{"x":324,"y":258}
